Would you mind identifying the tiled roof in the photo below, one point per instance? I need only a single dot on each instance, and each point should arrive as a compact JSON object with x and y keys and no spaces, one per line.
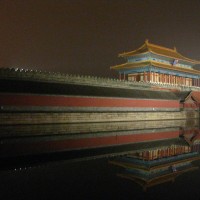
{"x":196,"y":96}
{"x":182,"y":95}
{"x":156,"y":64}
{"x":159,"y":50}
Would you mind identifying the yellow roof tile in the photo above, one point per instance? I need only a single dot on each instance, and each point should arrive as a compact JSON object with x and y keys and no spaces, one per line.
{"x":156,"y":64}
{"x":159,"y":50}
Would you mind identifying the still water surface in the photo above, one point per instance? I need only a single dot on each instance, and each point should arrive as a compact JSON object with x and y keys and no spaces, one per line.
{"x":92,"y":175}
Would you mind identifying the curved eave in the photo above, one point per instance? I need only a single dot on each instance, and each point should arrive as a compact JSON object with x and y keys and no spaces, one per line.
{"x":130,"y":65}
{"x":134,"y":52}
{"x":176,"y":68}
{"x":148,"y":47}
{"x":179,"y":57}
{"x":174,"y":51}
{"x":156,"y":64}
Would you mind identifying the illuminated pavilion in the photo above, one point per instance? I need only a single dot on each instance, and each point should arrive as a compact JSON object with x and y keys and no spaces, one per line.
{"x":157,"y":64}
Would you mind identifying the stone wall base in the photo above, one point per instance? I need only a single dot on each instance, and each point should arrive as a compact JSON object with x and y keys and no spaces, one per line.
{"x":90,"y":117}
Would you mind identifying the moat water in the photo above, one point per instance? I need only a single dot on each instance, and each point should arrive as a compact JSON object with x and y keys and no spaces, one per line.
{"x":90,"y":174}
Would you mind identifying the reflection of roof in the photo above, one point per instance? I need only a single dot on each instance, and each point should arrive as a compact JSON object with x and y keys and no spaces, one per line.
{"x":150,"y":173}
{"x":155,"y":64}
{"x":170,"y":177}
{"x":159,"y":50}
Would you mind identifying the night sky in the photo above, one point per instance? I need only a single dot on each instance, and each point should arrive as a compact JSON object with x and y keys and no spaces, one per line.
{"x":85,"y":36}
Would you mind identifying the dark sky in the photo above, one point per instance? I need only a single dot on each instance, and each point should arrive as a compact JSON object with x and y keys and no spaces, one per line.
{"x":85,"y":36}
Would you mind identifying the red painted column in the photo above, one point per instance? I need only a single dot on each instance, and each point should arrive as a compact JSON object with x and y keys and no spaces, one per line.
{"x":153,"y":74}
{"x":145,"y":76}
{"x":161,"y":78}
{"x":148,"y":76}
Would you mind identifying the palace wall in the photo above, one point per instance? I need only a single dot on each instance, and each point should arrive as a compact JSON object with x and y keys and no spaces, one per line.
{"x":31,"y":75}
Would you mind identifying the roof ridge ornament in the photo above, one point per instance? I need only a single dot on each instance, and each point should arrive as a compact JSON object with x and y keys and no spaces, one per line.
{"x":175,"y":49}
{"x":146,"y":41}
{"x":147,"y":44}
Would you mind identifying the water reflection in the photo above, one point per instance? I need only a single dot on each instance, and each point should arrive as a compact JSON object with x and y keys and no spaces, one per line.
{"x":152,"y":166}
{"x":66,"y":158}
{"x":25,"y":140}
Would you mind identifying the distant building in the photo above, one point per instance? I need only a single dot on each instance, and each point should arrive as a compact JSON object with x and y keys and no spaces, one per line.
{"x":157,"y":64}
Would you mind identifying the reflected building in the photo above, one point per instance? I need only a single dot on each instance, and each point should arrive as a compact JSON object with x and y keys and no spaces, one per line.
{"x":152,"y":166}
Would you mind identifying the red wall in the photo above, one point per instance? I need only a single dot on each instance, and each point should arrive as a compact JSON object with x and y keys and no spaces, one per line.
{"x":45,"y":100}
{"x":34,"y":147}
